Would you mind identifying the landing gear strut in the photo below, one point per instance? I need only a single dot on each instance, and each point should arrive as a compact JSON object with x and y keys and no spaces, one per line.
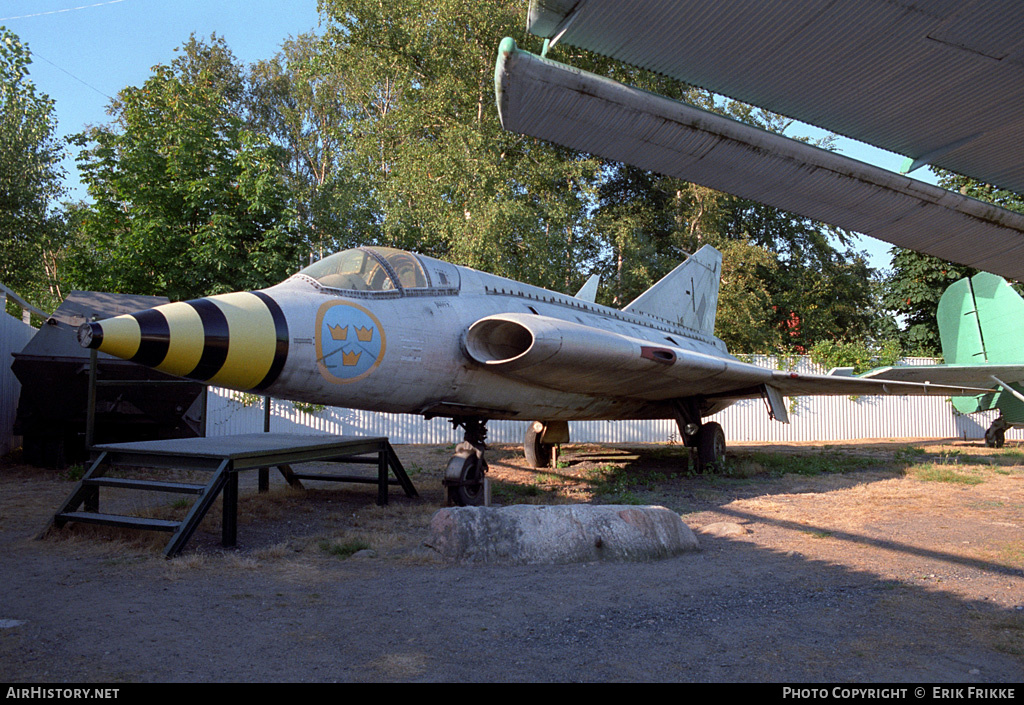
{"x":464,"y":476}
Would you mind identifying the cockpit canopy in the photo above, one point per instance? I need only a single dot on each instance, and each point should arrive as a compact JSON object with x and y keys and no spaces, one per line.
{"x":381,"y":269}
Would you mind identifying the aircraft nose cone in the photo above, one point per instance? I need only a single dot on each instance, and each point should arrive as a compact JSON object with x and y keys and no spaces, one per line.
{"x":237,"y":340}
{"x":90,"y":335}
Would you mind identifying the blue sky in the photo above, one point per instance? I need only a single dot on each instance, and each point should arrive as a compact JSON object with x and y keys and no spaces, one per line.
{"x":85,"y":51}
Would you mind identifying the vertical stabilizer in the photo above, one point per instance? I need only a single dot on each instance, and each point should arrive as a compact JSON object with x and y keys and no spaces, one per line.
{"x":980,"y":322}
{"x":688,"y":294}
{"x":589,"y":290}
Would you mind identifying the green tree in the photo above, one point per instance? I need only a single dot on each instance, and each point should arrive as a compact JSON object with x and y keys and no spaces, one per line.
{"x":441,"y":175}
{"x":914,"y":286}
{"x":187,"y":200}
{"x":30,"y":178}
{"x":305,"y":110}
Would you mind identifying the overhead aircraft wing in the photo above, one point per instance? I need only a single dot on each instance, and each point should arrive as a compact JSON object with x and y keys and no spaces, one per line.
{"x":579,"y":358}
{"x":594,"y":114}
{"x":938,"y":81}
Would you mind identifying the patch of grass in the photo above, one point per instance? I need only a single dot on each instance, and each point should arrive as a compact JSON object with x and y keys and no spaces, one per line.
{"x":342,"y":549}
{"x":949,"y":457}
{"x":628,"y":497}
{"x":909,"y":455}
{"x":938,"y":472}
{"x":816,"y":464}
{"x":624,"y":484}
{"x":73,"y":473}
{"x":742,"y":468}
{"x":1013,"y":554}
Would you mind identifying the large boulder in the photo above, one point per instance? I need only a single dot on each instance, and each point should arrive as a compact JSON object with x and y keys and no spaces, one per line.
{"x":576,"y":533}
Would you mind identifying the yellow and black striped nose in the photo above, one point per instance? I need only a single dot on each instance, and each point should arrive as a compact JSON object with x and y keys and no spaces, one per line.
{"x":235,"y":340}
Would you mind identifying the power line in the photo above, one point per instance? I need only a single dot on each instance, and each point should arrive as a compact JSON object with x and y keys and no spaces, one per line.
{"x":84,"y":83}
{"x":68,"y":9}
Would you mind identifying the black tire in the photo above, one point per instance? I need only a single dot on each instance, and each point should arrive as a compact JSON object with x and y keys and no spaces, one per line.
{"x":467,"y":475}
{"x":710,"y":447}
{"x":995,"y":437}
{"x":538,"y":455}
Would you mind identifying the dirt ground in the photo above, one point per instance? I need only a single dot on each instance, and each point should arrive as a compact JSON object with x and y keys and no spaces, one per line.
{"x":870,"y":562}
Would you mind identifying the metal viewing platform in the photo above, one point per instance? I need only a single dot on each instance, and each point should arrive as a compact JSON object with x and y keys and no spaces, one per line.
{"x":224,"y":457}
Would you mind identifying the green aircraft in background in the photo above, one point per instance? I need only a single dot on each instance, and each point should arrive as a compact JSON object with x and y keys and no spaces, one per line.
{"x":978,"y":321}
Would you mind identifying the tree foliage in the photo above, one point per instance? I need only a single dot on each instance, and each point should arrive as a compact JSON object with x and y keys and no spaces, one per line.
{"x":30,"y":177}
{"x":792,"y":281}
{"x":383,"y":130}
{"x":441,"y":176}
{"x":186,"y":199}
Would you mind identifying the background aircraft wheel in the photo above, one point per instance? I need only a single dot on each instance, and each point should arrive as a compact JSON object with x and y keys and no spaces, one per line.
{"x":710,"y":447}
{"x":995,"y":435}
{"x":538,"y":455}
{"x":465,"y":479}
{"x":995,"y":438}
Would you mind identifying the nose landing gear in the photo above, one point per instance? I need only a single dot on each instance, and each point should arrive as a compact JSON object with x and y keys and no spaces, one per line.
{"x":464,"y":478}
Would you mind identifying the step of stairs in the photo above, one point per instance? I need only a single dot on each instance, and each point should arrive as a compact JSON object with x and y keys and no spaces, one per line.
{"x":153,"y":485}
{"x":120,"y":520}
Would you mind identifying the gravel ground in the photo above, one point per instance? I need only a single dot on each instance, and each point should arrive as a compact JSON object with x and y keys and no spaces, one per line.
{"x":901,"y":563}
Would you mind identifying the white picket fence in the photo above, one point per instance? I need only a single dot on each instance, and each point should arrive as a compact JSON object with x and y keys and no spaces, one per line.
{"x":811,"y":419}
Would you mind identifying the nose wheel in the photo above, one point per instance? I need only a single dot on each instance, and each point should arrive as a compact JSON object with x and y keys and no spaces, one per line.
{"x":464,"y":478}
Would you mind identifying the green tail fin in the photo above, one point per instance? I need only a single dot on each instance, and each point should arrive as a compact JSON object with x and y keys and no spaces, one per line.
{"x":981,"y":320}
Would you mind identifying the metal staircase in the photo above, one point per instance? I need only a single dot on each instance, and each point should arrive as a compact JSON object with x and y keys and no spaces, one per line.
{"x":83,"y":505}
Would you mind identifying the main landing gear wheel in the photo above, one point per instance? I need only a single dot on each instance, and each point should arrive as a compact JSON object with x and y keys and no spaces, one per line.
{"x":995,"y":436}
{"x":710,"y":447}
{"x":538,"y":455}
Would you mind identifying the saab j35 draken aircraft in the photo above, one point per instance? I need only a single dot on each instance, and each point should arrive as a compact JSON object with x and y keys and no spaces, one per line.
{"x":387,"y":330}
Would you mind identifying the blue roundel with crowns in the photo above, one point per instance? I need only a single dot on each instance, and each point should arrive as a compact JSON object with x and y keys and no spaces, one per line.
{"x":350,"y":342}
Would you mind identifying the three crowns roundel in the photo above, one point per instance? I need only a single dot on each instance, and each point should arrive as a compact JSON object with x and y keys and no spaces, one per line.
{"x":349,"y":342}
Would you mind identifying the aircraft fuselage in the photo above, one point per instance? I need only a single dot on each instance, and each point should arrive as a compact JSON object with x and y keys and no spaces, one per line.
{"x":385,"y":330}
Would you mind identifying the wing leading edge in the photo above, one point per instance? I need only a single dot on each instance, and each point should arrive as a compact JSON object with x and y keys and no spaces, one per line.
{"x":594,"y":114}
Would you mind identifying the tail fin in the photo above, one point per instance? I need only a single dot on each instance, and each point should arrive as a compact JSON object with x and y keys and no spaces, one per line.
{"x":979,"y":322}
{"x":688,"y":294}
{"x":588,"y":292}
